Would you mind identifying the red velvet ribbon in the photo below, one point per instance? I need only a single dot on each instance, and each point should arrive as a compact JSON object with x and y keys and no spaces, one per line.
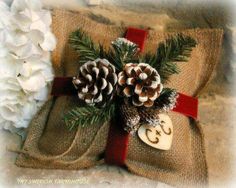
{"x":118,"y":139}
{"x":63,"y":86}
{"x":187,"y":106}
{"x":137,"y":36}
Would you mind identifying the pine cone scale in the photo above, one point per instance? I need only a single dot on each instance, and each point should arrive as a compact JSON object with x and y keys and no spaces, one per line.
{"x":148,"y":71}
{"x":95,"y":72}
{"x":121,"y":79}
{"x":143,"y":97}
{"x":136,"y":101}
{"x":148,"y":103}
{"x":108,"y":89}
{"x":138,"y":89}
{"x":152,"y":95}
{"x":112,"y":78}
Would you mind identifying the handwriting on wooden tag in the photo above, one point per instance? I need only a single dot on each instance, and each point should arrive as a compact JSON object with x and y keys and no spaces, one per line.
{"x":160,"y":136}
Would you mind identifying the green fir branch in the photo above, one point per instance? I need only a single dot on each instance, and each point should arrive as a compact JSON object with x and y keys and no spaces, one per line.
{"x":149,"y":58}
{"x":122,"y":53}
{"x":175,"y":49}
{"x":166,"y":69}
{"x":89,"y":115}
{"x":83,"y":44}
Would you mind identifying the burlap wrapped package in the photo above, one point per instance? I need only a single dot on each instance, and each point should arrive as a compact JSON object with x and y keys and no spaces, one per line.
{"x":49,"y":144}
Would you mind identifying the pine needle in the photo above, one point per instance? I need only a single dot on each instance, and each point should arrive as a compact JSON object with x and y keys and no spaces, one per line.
{"x":89,"y":115}
{"x":175,"y":49}
{"x":122,"y":53}
{"x":118,"y":55}
{"x":85,"y":47}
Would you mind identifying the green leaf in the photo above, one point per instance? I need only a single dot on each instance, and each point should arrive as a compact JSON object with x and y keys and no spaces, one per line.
{"x":84,"y":116}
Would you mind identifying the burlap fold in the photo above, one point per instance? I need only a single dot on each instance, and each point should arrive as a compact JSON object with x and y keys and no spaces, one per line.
{"x":50,"y":145}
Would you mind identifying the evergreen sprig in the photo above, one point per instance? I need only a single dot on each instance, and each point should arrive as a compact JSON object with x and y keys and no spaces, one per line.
{"x":167,"y":99}
{"x":122,"y":52}
{"x":175,"y":49}
{"x":89,"y":115}
{"x":85,"y":47}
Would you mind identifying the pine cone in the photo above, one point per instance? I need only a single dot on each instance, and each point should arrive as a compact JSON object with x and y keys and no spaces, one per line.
{"x":149,"y":115}
{"x":130,"y":117}
{"x":141,"y":83}
{"x":96,"y":82}
{"x":167,"y":101}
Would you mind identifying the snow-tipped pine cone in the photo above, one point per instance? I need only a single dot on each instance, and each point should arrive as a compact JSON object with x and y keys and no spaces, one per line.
{"x":96,"y":82}
{"x":149,"y":115}
{"x":141,"y":83}
{"x":130,"y":117}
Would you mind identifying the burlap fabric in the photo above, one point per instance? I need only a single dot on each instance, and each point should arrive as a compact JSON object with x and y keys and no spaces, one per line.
{"x":49,"y":144}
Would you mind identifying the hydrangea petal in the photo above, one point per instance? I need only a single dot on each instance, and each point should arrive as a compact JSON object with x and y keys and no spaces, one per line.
{"x":33,"y":83}
{"x":49,"y":42}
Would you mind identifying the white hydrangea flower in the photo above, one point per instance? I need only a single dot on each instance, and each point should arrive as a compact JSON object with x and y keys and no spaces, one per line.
{"x":22,"y":5}
{"x":25,"y":68}
{"x":4,"y":23}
